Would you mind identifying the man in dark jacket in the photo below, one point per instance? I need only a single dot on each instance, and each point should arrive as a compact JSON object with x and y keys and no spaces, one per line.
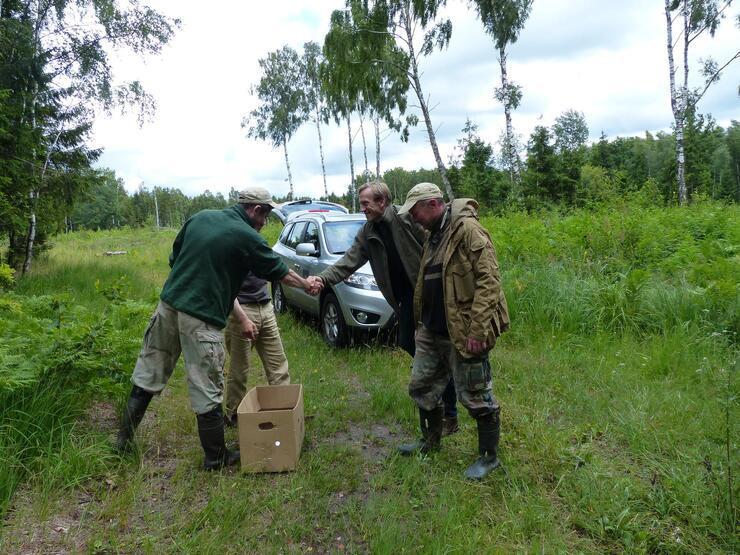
{"x":211,"y":256}
{"x":392,"y":243}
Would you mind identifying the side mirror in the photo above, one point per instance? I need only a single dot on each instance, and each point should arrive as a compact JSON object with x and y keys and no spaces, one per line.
{"x":306,"y":249}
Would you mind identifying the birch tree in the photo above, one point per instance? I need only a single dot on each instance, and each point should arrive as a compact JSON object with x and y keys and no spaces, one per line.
{"x":504,"y":20}
{"x":402,"y":20}
{"x":365,"y":73}
{"x":55,"y":62}
{"x":696,"y":18}
{"x":283,"y":104}
{"x":315,"y":96}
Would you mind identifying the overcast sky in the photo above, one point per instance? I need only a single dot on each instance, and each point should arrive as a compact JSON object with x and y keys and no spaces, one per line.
{"x":606,"y":59}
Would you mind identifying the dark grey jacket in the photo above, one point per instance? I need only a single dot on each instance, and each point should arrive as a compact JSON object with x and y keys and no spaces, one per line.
{"x":409,"y":238}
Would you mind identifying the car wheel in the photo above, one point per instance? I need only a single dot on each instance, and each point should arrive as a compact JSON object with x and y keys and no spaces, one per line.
{"x":333,"y":327}
{"x":278,"y":298}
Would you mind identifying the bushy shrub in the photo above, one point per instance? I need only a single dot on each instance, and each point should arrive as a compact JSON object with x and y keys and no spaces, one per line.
{"x":622,"y":269}
{"x":7,"y":276}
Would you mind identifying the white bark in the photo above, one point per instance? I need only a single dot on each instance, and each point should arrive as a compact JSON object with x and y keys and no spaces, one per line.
{"x":510,"y":154}
{"x":29,"y":244}
{"x":678,"y":100}
{"x":364,"y":148}
{"x":376,"y":120}
{"x":156,"y":208}
{"x":321,"y":150}
{"x":352,"y":188}
{"x":287,"y":165}
{"x":416,"y":85}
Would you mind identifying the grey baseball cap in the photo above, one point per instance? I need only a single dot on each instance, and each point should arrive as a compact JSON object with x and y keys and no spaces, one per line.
{"x":256,"y":195}
{"x":422,"y":191}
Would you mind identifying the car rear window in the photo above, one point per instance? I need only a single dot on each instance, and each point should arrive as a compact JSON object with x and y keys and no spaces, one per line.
{"x":340,"y":235}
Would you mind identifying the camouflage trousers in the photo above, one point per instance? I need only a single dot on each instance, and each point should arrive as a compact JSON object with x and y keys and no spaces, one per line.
{"x":170,"y":333}
{"x":435,"y":360}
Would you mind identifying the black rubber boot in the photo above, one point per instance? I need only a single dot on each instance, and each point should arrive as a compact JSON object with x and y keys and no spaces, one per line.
{"x":138,"y":401}
{"x":211,"y":433}
{"x":431,"y":434}
{"x":489,"y":429}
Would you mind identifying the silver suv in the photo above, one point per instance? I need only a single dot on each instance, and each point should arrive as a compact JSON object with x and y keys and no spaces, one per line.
{"x":308,"y":244}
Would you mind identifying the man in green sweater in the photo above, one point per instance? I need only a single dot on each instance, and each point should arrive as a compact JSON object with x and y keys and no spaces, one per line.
{"x":211,"y":256}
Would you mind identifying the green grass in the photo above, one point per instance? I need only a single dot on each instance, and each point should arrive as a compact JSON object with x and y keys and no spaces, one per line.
{"x":617,"y":386}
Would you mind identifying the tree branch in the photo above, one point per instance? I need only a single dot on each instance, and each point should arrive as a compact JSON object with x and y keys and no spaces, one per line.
{"x":711,"y":78}
{"x":709,"y":22}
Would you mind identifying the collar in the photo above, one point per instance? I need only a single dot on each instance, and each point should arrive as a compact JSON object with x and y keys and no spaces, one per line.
{"x":239,"y":209}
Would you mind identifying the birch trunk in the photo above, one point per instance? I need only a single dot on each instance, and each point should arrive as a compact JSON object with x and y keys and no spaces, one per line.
{"x":364,"y":149}
{"x":321,"y":150}
{"x":416,"y":84}
{"x":678,"y":102}
{"x":351,"y":167}
{"x":287,"y":165}
{"x":156,"y":209}
{"x":377,"y":146}
{"x":29,"y":243}
{"x":33,"y":193}
{"x":511,"y":158}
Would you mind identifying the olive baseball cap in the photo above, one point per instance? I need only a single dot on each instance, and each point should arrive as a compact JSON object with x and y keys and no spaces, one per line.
{"x":256,"y":195}
{"x":422,"y":191}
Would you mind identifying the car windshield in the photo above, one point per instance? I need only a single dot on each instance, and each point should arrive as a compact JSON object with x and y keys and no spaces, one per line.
{"x":289,"y":208}
{"x":339,"y":235}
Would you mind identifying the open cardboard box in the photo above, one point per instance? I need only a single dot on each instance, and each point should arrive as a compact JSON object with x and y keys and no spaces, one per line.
{"x":271,"y":428}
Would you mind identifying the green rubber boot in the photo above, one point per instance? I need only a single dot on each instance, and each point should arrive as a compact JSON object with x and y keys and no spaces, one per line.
{"x":489,"y":430}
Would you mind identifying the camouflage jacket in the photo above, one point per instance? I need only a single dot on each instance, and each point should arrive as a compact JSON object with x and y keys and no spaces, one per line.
{"x":475,"y":304}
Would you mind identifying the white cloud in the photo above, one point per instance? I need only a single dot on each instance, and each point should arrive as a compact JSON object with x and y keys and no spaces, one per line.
{"x":607,"y":61}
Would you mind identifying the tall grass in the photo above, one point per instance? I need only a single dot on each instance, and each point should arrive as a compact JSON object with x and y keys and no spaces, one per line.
{"x":617,"y":385}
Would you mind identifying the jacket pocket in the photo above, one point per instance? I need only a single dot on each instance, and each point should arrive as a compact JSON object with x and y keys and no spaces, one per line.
{"x":462,"y":281}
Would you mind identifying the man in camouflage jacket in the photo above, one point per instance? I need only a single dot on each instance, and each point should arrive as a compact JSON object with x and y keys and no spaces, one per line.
{"x":461,"y":310}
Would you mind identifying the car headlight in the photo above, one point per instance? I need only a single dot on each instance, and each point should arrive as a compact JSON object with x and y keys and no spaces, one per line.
{"x":362,"y":281}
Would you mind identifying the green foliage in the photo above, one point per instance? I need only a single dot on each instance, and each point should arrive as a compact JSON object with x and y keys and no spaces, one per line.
{"x":55,"y":74}
{"x":7,"y":276}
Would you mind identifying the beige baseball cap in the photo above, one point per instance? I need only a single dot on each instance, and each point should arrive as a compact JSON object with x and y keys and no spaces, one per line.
{"x":422,"y":191}
{"x":256,"y":195}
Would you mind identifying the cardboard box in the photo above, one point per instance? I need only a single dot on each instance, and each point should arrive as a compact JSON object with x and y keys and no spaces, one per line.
{"x":271,"y":428}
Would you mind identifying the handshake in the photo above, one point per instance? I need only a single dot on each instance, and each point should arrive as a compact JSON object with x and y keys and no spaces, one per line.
{"x":314,"y":285}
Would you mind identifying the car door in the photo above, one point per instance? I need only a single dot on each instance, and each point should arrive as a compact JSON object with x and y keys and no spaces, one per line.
{"x":291,"y":259}
{"x":308,"y":266}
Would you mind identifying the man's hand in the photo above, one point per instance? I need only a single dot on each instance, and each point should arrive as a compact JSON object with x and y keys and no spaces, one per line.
{"x":249,"y":329}
{"x":316,"y":285}
{"x":476,"y":347}
{"x":294,"y":280}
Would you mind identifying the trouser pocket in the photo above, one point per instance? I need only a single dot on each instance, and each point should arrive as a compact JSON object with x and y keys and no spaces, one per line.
{"x":478,"y":372}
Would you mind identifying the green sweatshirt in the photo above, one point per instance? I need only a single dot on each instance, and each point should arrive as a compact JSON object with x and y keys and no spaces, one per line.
{"x":210,"y":258}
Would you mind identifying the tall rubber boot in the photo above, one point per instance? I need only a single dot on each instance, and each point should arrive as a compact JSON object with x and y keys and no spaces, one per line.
{"x":489,"y":430}
{"x":211,"y":433}
{"x":138,"y":401}
{"x":430,"y":422}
